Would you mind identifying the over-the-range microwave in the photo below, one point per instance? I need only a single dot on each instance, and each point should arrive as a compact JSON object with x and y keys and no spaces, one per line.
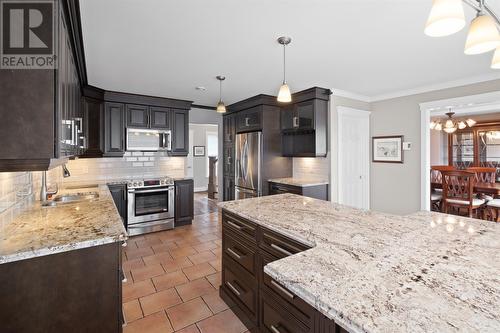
{"x":139,"y":139}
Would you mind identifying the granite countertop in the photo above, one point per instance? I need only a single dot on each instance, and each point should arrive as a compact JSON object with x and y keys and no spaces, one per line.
{"x":376,"y":272}
{"x":40,"y":231}
{"x":301,"y":182}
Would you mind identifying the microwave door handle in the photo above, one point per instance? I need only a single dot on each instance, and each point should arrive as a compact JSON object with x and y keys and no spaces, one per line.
{"x":162,"y":141}
{"x":164,"y":136}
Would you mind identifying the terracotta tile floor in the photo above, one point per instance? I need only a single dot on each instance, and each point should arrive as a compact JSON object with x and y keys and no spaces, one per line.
{"x":173,"y":281}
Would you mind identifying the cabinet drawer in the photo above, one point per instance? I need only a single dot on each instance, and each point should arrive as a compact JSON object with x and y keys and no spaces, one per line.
{"x":275,"y":188}
{"x":280,"y":246}
{"x":239,"y":226}
{"x":241,"y":290}
{"x":276,"y":319}
{"x":294,"y":304}
{"x":240,"y":252}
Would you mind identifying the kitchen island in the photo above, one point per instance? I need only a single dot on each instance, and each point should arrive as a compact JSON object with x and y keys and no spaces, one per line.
{"x":60,"y":267}
{"x":365,"y":271}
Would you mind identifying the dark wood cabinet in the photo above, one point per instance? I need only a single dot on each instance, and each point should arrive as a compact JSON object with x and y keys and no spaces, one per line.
{"x":137,"y":116}
{"x":304,"y":124}
{"x":262,"y":303}
{"x":319,"y":191}
{"x":180,"y":132}
{"x":93,"y":116}
{"x":119,"y":194}
{"x":114,"y":129}
{"x":229,"y":129}
{"x":228,"y":183}
{"x":184,"y":202}
{"x":249,"y":120}
{"x":160,"y":117}
{"x":73,"y":291}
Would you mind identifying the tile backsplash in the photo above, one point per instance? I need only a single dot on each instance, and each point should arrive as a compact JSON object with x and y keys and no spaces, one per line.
{"x":16,"y":193}
{"x":132,"y":165}
{"x":311,"y":167}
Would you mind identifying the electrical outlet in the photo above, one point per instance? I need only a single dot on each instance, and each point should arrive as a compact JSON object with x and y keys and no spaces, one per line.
{"x":406,"y":145}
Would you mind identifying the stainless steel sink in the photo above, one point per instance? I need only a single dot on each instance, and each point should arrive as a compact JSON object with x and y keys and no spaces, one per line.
{"x":69,"y":198}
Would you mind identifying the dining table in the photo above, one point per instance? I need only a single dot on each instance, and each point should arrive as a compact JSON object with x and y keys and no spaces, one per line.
{"x":486,"y":188}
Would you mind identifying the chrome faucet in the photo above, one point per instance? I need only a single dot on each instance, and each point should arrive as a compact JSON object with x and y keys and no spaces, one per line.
{"x":66,"y":172}
{"x":44,"y":192}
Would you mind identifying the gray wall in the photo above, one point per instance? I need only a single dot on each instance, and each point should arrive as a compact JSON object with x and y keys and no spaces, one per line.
{"x":395,"y":188}
{"x":200,"y":163}
{"x":202,"y":116}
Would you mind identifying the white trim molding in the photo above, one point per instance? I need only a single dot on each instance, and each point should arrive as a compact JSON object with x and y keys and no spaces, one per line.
{"x":481,"y":103}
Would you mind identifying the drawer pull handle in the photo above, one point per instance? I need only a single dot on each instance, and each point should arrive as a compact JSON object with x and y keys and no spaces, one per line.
{"x":234,"y":225}
{"x":123,"y":276}
{"x":283,"y":290}
{"x":233,"y":288}
{"x":280,"y":249}
{"x":274,"y":329}
{"x":233,"y":253}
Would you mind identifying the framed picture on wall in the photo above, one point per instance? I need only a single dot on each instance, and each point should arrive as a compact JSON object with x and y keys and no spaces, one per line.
{"x":387,"y":149}
{"x":198,"y":151}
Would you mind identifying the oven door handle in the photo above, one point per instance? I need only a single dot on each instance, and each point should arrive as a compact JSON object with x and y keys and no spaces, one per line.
{"x":164,"y":189}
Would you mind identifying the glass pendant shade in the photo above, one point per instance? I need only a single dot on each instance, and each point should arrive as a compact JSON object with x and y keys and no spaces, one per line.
{"x":449,"y":129}
{"x":449,"y":124}
{"x":462,"y":125}
{"x":483,"y":35}
{"x":438,"y":127}
{"x":432,"y":125}
{"x":284,"y":94}
{"x":495,"y":64}
{"x":446,"y":18}
{"x":221,"y":108}
{"x":470,"y":122}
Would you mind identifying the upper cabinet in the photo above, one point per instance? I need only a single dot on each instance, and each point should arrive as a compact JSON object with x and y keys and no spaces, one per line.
{"x":137,"y":115}
{"x":180,"y":133}
{"x":304,"y":127}
{"x":249,"y":120}
{"x":114,"y":129}
{"x":160,"y":117}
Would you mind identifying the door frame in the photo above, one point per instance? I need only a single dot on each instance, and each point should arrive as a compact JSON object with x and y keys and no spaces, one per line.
{"x":361,"y":114}
{"x":479,"y":104}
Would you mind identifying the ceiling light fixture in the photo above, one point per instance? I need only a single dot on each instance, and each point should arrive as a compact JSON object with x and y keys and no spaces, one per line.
{"x":447,"y":17}
{"x":450,"y":125}
{"x":284,"y":94}
{"x":221,"y":108}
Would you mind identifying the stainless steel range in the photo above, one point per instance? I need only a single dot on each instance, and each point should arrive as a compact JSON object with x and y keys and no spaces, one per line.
{"x":150,"y":205}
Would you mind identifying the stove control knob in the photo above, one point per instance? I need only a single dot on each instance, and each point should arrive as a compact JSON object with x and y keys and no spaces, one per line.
{"x":162,"y":182}
{"x":141,"y":183}
{"x":135,"y":184}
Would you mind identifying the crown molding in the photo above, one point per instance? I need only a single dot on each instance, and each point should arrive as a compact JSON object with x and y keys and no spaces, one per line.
{"x":351,"y":95}
{"x":435,"y":87}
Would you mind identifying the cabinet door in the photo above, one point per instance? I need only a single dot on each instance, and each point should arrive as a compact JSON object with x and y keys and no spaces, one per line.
{"x":229,"y":129}
{"x":288,"y":117}
{"x":184,"y":202}
{"x":114,"y":129}
{"x":180,"y":132}
{"x":92,"y":120}
{"x":249,"y":120}
{"x":119,"y":194}
{"x":304,"y":112}
{"x":228,"y":188}
{"x":137,"y":116}
{"x":160,"y":117}
{"x":228,"y":160}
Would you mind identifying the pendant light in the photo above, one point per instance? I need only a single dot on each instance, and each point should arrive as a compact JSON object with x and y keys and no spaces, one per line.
{"x":221,"y":108}
{"x":446,"y":18}
{"x":495,"y":64}
{"x":284,"y":94}
{"x":483,"y":35}
{"x":449,"y":125}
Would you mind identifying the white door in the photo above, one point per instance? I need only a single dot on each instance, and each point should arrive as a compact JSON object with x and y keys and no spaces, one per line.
{"x":354,"y":157}
{"x":189,"y":159}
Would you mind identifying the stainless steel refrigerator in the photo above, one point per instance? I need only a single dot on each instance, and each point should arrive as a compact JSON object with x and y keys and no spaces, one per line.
{"x":248,"y":164}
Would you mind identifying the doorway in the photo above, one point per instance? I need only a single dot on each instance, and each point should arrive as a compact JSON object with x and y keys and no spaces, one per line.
{"x":201,"y":165}
{"x":354,"y":157}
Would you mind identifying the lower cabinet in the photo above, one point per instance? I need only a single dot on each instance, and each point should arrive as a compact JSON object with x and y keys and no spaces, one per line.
{"x":119,"y":194}
{"x":184,"y":202}
{"x":315,"y":191}
{"x":261,"y":303}
{"x":74,"y":291}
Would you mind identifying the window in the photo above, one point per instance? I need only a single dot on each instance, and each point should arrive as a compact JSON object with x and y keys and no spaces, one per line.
{"x":212,"y":147}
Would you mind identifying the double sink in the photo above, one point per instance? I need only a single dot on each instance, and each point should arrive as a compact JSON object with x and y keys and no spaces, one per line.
{"x":70,"y":198}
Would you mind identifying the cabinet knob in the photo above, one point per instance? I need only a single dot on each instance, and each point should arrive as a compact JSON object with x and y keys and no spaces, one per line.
{"x":295,"y":121}
{"x":247,"y":121}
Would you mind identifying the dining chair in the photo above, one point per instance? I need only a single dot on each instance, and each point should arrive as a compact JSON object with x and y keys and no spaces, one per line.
{"x":458,"y":192}
{"x":484,"y":175}
{"x":493,"y":210}
{"x":436,"y":194}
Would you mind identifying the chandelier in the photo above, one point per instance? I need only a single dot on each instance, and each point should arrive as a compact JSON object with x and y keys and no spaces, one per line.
{"x":451,"y":125}
{"x":447,"y":17}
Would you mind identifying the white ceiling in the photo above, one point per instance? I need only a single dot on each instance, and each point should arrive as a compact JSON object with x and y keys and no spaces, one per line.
{"x":369,"y":47}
